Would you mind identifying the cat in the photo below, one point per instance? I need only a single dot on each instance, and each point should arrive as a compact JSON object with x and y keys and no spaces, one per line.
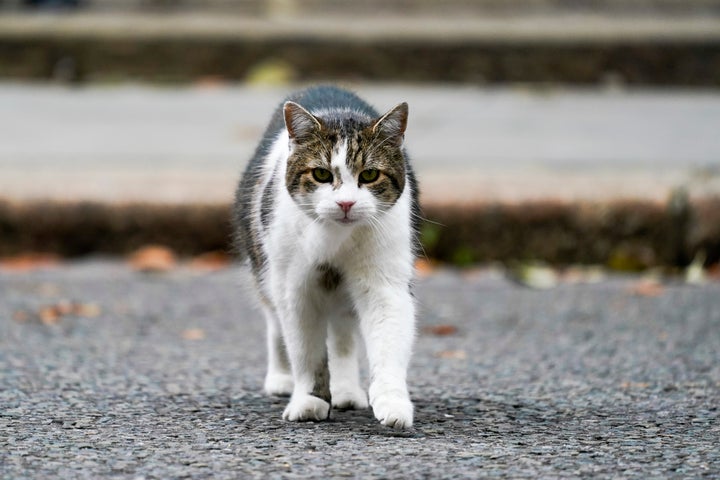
{"x":327,"y":214}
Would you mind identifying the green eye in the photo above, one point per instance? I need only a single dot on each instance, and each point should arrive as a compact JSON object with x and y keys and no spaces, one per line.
{"x":369,"y":176}
{"x":322,"y":175}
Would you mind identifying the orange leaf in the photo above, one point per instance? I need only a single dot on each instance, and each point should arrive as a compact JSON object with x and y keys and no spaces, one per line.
{"x":193,"y":334}
{"x":29,"y":261}
{"x":211,"y":82}
{"x":713,"y":271}
{"x":452,"y":354}
{"x":634,"y":385}
{"x":87,"y":310}
{"x":63,"y":307}
{"x":216,"y":260}
{"x":424,"y":267}
{"x":647,"y":288}
{"x":49,"y":315}
{"x":440,"y":330}
{"x":153,"y":258}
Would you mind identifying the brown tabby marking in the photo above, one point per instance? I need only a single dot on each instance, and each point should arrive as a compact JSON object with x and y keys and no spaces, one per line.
{"x":321,"y":389}
{"x":330,"y":278}
{"x":366,"y":149}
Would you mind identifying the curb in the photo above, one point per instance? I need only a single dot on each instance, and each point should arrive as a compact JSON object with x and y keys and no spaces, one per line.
{"x":573,"y":50}
{"x":627,"y":235}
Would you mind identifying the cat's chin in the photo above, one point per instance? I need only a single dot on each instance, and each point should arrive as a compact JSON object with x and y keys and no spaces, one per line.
{"x":344,"y":222}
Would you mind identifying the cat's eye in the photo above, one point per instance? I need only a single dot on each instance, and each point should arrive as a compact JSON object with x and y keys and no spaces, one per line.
{"x":322,"y":175}
{"x":369,"y":175}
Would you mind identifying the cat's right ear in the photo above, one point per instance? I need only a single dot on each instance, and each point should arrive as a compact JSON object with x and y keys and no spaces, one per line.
{"x":300,"y":123}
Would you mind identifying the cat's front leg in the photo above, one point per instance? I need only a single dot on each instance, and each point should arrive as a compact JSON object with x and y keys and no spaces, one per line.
{"x":347,"y":393}
{"x":305,"y":333}
{"x":387,"y":321}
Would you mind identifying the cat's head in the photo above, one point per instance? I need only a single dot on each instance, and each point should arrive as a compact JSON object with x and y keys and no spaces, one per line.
{"x":343,"y":167}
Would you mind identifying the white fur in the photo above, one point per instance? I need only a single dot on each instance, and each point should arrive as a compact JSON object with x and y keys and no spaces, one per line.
{"x":374,"y":254}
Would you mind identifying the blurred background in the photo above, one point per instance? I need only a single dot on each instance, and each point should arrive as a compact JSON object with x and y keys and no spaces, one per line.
{"x":541,"y":130}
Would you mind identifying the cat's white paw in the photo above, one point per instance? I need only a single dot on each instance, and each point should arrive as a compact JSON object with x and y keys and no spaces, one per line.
{"x":351,"y":398}
{"x":394,"y":411}
{"x":280,"y":384}
{"x":306,"y":407}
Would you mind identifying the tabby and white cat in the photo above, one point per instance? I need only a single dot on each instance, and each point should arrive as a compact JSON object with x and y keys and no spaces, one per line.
{"x":326,"y":213}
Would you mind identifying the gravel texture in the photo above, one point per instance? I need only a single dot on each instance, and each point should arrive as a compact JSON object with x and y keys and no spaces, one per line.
{"x":159,"y":376}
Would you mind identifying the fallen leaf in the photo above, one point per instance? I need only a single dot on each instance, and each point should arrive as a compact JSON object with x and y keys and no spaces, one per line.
{"x":647,"y":288}
{"x":478,"y":273}
{"x":695,"y":273}
{"x":153,"y":259}
{"x":713,"y":271}
{"x":440,"y":330}
{"x":193,"y":334}
{"x":29,"y":261}
{"x":49,"y":315}
{"x":580,"y":274}
{"x":216,"y":260}
{"x":424,"y":267}
{"x":634,"y":385}
{"x":64,"y":307}
{"x":536,"y":275}
{"x":52,"y":314}
{"x":87,"y":310}
{"x":211,"y":82}
{"x":452,"y":354}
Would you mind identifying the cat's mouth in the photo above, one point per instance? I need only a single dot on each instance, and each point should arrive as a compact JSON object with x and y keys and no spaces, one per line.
{"x":346,"y":220}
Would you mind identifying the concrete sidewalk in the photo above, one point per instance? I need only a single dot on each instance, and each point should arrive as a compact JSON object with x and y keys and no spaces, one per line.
{"x":564,"y":167}
{"x":468,"y":145}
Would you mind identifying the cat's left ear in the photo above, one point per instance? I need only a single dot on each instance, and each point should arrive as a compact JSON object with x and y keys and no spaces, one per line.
{"x":392,"y":125}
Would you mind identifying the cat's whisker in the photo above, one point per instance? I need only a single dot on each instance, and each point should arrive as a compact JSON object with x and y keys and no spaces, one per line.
{"x":380,"y":229}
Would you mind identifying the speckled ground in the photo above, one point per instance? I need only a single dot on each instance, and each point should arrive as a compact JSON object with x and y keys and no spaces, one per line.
{"x":158,"y":376}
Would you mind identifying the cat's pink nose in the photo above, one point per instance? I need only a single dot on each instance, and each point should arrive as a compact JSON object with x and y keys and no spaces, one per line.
{"x":346,"y":206}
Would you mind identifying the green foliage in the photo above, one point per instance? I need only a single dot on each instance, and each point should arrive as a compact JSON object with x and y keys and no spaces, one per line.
{"x":271,"y":72}
{"x":463,"y":257}
{"x":430,"y":235}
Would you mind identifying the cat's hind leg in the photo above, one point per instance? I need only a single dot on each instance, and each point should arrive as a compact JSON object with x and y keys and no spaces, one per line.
{"x":278,"y":380}
{"x":347,"y":393}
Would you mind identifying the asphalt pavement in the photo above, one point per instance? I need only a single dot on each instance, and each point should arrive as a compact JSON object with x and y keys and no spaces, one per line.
{"x":110,"y":373}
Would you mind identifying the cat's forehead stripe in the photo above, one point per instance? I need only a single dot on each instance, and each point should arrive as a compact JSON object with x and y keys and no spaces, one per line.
{"x":339,"y":153}
{"x":339,"y":164}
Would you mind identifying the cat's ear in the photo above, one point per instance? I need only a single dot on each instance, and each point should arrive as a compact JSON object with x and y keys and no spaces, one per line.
{"x":391,"y":126}
{"x":300,"y":123}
